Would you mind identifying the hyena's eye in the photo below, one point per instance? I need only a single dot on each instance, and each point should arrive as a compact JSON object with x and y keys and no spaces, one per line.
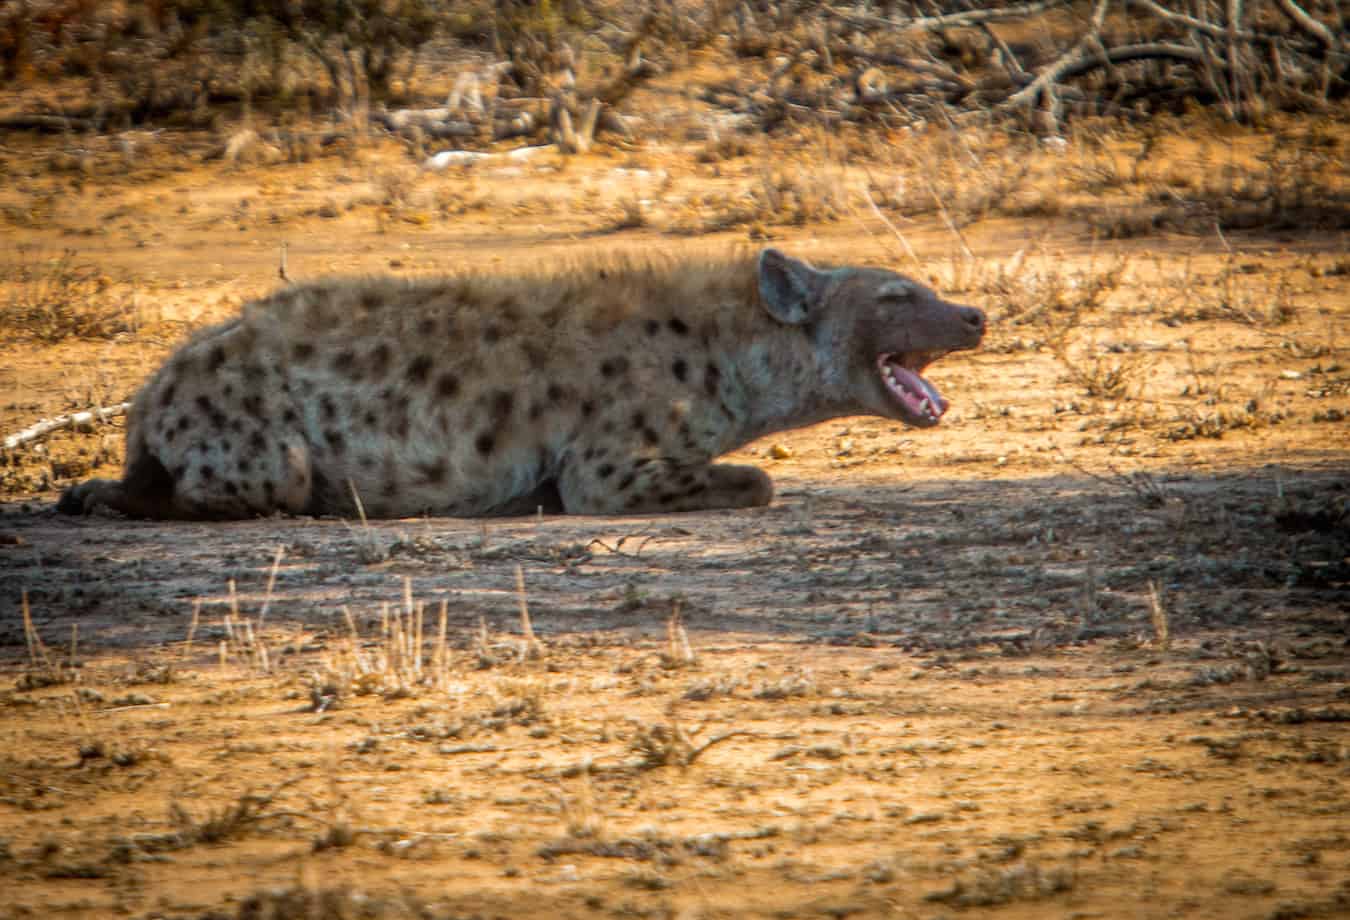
{"x":896,"y":291}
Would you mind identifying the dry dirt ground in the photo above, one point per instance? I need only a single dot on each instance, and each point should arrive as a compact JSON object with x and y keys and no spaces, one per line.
{"x":1082,"y":651}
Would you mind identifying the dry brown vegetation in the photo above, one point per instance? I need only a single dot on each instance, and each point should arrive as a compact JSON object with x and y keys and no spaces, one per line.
{"x":1080,"y":651}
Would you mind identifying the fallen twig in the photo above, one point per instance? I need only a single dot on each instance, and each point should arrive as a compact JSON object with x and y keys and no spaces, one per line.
{"x":45,"y":427}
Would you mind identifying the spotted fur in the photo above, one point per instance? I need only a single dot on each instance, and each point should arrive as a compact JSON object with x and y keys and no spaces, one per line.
{"x":604,"y":389}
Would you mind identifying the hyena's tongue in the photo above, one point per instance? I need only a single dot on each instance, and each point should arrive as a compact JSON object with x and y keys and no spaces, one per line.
{"x":917,"y":394}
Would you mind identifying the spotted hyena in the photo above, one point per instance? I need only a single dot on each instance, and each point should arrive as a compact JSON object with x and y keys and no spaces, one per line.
{"x":610,"y":388}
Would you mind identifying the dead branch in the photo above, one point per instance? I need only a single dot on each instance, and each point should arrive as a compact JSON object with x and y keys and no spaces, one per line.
{"x":1308,"y":24}
{"x":1049,"y":76}
{"x":1191,"y":22}
{"x":949,"y":20}
{"x":49,"y":124}
{"x":45,"y":427}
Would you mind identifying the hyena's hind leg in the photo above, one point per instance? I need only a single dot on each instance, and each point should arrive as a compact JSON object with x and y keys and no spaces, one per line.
{"x":658,"y":486}
{"x":145,"y":490}
{"x":149,"y":489}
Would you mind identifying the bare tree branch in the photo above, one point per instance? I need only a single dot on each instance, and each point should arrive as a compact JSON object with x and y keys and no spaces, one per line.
{"x":948,"y":21}
{"x":1307,"y":23}
{"x":1049,"y":76}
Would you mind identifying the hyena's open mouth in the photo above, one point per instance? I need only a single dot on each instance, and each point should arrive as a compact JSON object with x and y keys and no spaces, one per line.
{"x":920,"y":402}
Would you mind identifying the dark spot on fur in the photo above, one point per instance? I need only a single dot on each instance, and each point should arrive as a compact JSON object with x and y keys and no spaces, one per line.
{"x":626,"y":482}
{"x":335,"y":440}
{"x":650,"y":437}
{"x":613,"y":367}
{"x":228,"y":391}
{"x":491,"y":334}
{"x":680,"y":369}
{"x":302,"y":351}
{"x":653,"y":327}
{"x":587,"y":409}
{"x":712,"y":378}
{"x":419,"y":368}
{"x":503,"y":402}
{"x":434,"y":473}
{"x":166,"y":395}
{"x":688,"y":479}
{"x":536,"y":412}
{"x":344,"y":363}
{"x":257,"y":442}
{"x":231,"y":488}
{"x":183,"y":423}
{"x":678,"y":326}
{"x":369,"y":418}
{"x":289,"y":417}
{"x":245,"y":467}
{"x":485,"y":443}
{"x":379,"y":360}
{"x":536,"y":353}
{"x":370,"y":300}
{"x":604,"y":470}
{"x":208,"y":472}
{"x":608,"y":426}
{"x":639,"y":419}
{"x":214,"y":415}
{"x":367,"y":462}
{"x":269,"y":491}
{"x":169,"y":435}
{"x":426,"y":327}
{"x":327,"y":408}
{"x":447,"y":385}
{"x":554,"y":393}
{"x":253,"y":406}
{"x":666,"y":498}
{"x":215,"y":359}
{"x":237,"y":426}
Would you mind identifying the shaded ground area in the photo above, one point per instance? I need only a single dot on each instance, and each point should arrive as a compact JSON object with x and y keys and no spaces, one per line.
{"x":897,"y":697}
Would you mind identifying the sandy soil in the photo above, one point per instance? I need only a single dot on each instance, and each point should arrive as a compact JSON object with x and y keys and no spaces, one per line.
{"x":1067,"y":655}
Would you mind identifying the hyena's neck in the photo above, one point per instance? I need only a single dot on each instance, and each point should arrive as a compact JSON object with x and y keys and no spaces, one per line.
{"x":780,"y":380}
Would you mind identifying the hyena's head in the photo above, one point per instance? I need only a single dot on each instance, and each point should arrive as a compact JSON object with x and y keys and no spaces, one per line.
{"x":874,"y":331}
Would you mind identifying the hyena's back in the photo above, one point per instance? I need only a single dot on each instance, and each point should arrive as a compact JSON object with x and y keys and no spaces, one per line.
{"x":448,"y":396}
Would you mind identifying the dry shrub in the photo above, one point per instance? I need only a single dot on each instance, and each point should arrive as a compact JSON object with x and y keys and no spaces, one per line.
{"x":1097,"y":371}
{"x":1295,"y":181}
{"x":1041,"y":289}
{"x":53,"y":299}
{"x":964,"y":176}
{"x":782,"y":196}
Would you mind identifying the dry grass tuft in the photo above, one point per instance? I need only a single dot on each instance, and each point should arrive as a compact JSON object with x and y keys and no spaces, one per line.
{"x":53,"y":299}
{"x":44,"y":669}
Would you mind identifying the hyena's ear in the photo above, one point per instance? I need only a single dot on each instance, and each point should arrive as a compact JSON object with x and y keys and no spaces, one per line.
{"x":790,"y":289}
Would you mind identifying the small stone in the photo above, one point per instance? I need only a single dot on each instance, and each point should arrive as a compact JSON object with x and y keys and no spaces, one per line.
{"x":780,"y":451}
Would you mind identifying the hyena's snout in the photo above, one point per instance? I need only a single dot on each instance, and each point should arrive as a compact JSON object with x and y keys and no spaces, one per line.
{"x":945,"y":327}
{"x":969,"y":323}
